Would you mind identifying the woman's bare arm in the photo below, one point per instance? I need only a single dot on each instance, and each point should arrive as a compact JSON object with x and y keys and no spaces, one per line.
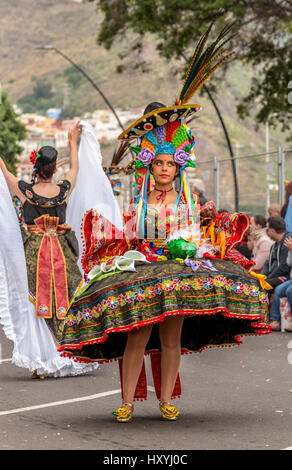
{"x":73,"y":136}
{"x":11,"y":181}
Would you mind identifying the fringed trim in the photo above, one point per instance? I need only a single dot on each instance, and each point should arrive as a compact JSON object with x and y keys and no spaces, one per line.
{"x":261,"y":328}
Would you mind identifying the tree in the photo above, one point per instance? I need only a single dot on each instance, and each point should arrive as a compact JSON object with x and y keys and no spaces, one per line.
{"x":41,"y":98}
{"x":263,"y":40}
{"x":12,"y":131}
{"x":43,"y":89}
{"x":178,"y":24}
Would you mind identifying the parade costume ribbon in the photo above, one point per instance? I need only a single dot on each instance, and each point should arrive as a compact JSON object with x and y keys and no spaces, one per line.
{"x":141,"y":387}
{"x":195,"y":265}
{"x":162,"y":196}
{"x":51,"y":267}
{"x":261,"y":278}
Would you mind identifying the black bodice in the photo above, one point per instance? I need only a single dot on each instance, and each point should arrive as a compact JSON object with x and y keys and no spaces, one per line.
{"x":36,"y":205}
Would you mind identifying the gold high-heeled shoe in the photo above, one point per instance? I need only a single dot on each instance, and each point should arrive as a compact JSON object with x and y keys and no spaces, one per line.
{"x":123,"y":414}
{"x":35,"y":375}
{"x":168,"y":411}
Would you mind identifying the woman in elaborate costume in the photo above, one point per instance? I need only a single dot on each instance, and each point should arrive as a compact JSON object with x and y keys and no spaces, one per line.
{"x":48,"y":273}
{"x":168,"y":283}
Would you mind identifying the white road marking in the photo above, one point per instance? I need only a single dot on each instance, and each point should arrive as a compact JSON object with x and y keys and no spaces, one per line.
{"x":65,"y":402}
{"x":58,"y":403}
{"x":6,"y":360}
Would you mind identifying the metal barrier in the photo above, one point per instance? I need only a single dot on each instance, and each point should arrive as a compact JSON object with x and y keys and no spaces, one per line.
{"x":261,"y":180}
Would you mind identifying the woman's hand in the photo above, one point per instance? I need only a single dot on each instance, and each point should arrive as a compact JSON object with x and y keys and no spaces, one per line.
{"x":288,"y":243}
{"x":74,"y":133}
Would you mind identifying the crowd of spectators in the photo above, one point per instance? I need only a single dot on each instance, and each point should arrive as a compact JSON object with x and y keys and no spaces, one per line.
{"x":269,"y":244}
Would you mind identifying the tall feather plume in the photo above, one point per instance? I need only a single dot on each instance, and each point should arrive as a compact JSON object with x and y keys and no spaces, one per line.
{"x":120,"y":153}
{"x":198,"y":51}
{"x":205,"y":61}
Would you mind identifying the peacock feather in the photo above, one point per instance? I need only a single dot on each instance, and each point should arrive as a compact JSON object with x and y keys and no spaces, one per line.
{"x":205,"y":61}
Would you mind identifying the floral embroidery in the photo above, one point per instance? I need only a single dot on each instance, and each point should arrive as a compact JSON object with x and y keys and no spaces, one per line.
{"x":254,"y":290}
{"x":263,"y":297}
{"x":112,"y":302}
{"x":150,"y":292}
{"x":62,"y":310}
{"x":139,"y":294}
{"x":198,"y":284}
{"x":43,"y":308}
{"x":176,"y":284}
{"x":167,"y":285}
{"x":70,"y":320}
{"x":208,"y":283}
{"x":185,"y":285}
{"x":129,"y":296}
{"x":229,"y":285}
{"x":158,"y":288}
{"x":246,"y":289}
{"x":96,"y":311}
{"x":28,"y":194}
{"x":219,"y":281}
{"x":121,"y":300}
{"x":86,"y":314}
{"x":238,"y":287}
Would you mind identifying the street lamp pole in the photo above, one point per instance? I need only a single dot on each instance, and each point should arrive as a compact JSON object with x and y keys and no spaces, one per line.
{"x":49,"y":47}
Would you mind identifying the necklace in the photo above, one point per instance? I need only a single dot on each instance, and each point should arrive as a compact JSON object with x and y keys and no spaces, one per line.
{"x":162,"y":196}
{"x":40,"y":182}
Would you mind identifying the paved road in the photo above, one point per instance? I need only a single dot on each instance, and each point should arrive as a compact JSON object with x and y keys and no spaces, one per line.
{"x":233,"y":398}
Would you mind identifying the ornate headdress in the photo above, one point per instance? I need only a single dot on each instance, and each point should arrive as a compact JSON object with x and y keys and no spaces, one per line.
{"x":164,"y":129}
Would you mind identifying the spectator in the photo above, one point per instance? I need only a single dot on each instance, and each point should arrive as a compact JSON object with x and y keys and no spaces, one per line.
{"x":246,"y":246}
{"x":198,"y":188}
{"x":288,"y":193}
{"x":274,"y":209}
{"x":260,"y":241}
{"x":286,"y":211}
{"x":276,"y":268}
{"x":250,"y":242}
{"x":283,"y":290}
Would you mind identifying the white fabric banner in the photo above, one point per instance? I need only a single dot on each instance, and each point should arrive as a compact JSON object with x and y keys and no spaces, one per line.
{"x":93,"y":189}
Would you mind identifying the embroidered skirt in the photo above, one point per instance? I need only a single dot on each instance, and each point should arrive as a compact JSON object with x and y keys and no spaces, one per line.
{"x":69,"y":246}
{"x":219,"y":307}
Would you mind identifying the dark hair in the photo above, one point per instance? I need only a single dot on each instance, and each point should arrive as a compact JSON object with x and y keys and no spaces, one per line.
{"x":45,"y":164}
{"x":151,"y":106}
{"x":277,"y":223}
{"x":260,"y":220}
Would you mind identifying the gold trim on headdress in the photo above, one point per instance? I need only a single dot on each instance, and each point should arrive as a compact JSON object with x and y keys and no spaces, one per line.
{"x":158,"y":117}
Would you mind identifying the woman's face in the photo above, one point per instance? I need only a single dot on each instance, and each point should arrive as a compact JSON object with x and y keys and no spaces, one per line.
{"x":250,"y":242}
{"x":164,"y":169}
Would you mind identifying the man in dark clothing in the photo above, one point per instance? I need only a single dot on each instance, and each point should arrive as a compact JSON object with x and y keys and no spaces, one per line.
{"x":276,"y":268}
